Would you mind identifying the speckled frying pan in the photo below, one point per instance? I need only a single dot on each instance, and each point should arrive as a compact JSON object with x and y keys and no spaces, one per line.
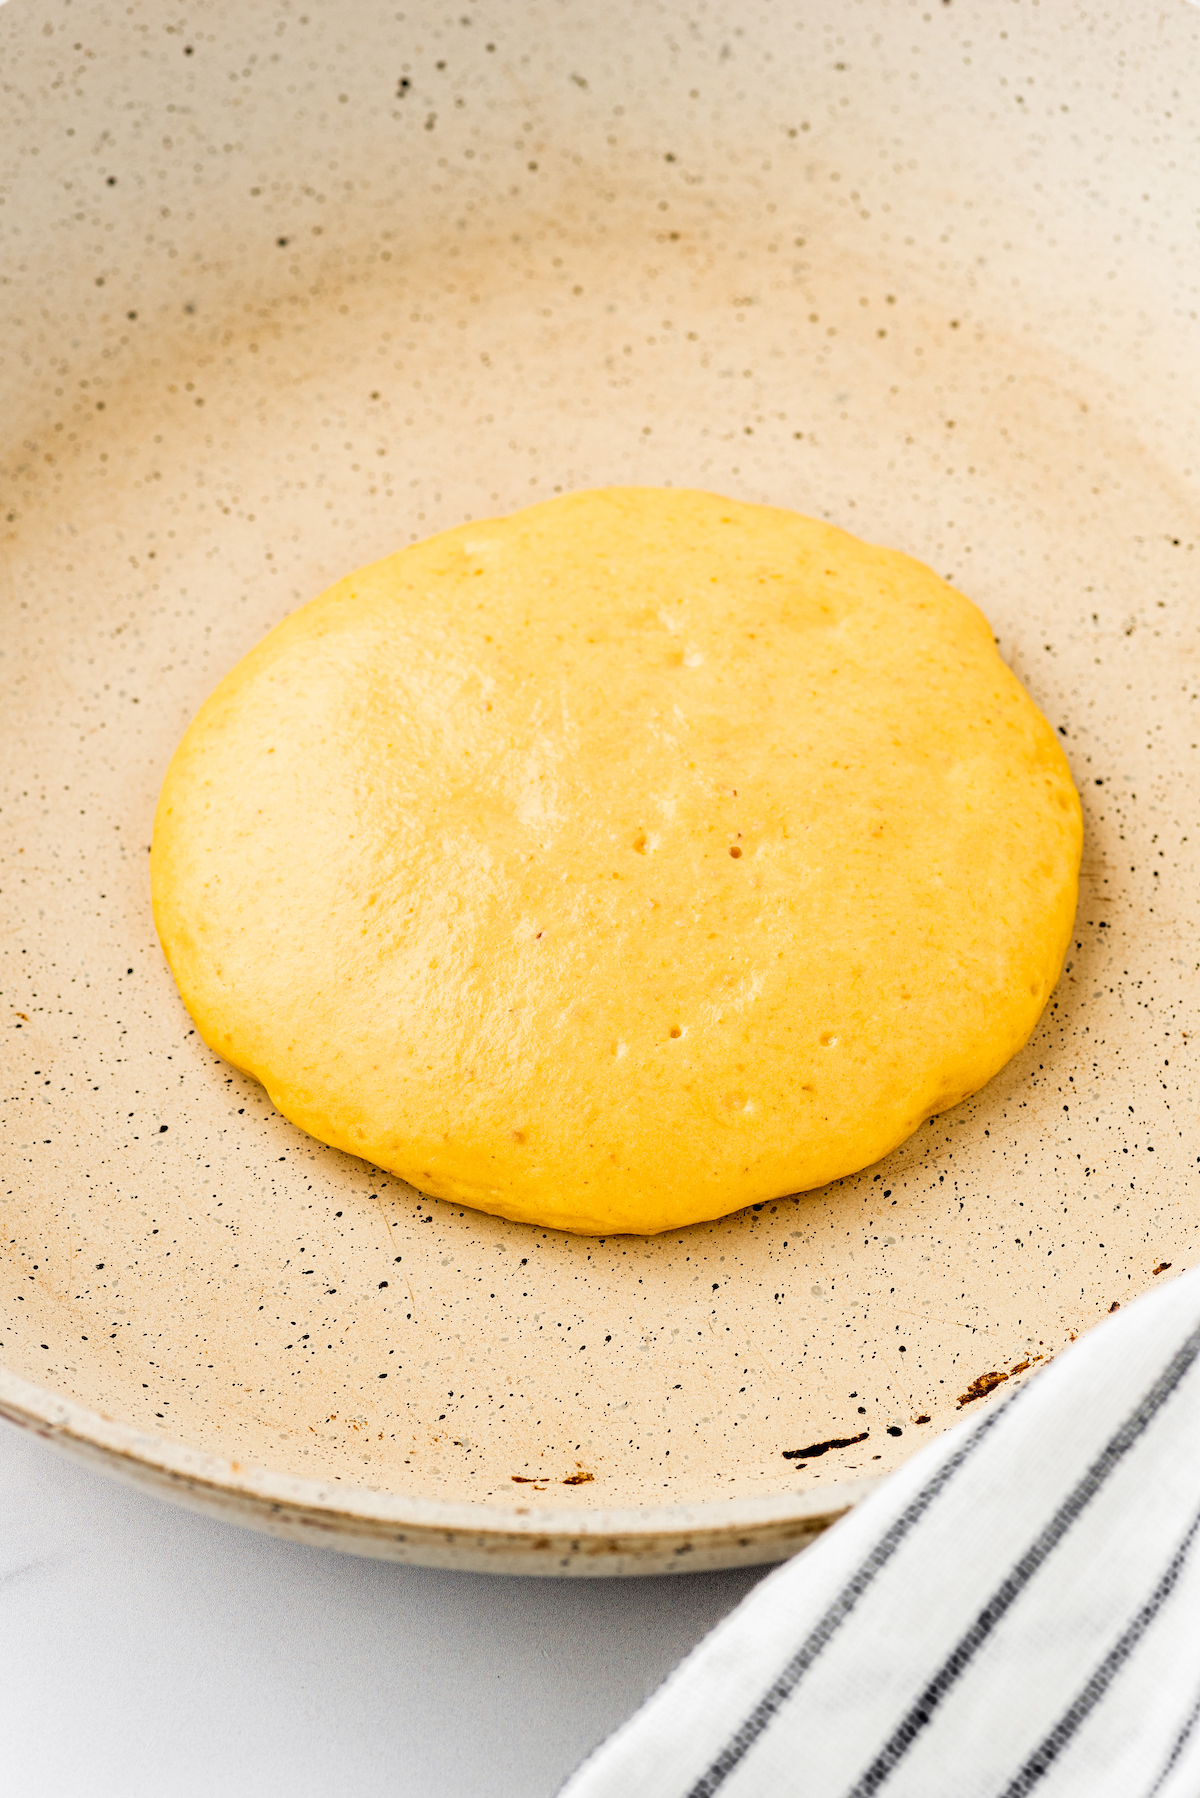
{"x":283,"y":290}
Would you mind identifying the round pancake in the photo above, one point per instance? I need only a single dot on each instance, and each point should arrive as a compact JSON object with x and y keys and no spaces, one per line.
{"x":615,"y":865}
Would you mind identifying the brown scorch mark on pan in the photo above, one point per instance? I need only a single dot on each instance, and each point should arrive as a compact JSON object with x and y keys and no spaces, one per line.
{"x":987,"y":1382}
{"x":823,"y":1448}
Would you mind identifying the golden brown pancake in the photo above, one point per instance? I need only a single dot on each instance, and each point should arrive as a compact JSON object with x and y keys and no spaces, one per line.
{"x":620,"y":863}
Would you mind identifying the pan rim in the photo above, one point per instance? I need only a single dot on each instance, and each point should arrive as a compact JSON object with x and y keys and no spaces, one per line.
{"x":374,"y":1522}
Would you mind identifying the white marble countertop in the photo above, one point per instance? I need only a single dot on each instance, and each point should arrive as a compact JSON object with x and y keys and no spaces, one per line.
{"x":144,"y":1650}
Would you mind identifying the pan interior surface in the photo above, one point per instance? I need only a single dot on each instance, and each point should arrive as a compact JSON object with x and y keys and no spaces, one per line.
{"x":288,"y":293}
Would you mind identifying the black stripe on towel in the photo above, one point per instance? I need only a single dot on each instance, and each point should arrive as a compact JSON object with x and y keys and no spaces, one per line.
{"x":764,"y":1711}
{"x":1186,"y":1731}
{"x":1034,"y":1558}
{"x":1085,"y":1703}
{"x":760,"y":1718}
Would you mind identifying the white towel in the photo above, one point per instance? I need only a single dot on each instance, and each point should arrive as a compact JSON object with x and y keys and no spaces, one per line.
{"x":1017,"y":1610}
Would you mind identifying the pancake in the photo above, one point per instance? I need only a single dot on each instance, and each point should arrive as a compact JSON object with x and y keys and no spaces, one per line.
{"x":620,"y":863}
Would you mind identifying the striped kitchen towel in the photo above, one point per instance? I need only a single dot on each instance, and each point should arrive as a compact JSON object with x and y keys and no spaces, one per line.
{"x":1017,"y":1610}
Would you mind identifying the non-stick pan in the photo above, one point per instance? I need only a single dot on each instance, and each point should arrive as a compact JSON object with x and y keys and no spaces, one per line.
{"x":286,"y":286}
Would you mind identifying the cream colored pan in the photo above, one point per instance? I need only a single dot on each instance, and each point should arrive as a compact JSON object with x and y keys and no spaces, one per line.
{"x":287,"y":286}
